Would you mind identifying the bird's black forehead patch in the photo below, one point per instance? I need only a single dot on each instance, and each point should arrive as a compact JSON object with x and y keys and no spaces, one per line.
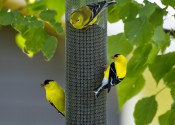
{"x":116,"y":55}
{"x":47,"y":81}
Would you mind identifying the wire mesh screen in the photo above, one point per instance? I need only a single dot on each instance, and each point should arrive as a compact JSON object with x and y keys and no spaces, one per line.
{"x":85,"y":56}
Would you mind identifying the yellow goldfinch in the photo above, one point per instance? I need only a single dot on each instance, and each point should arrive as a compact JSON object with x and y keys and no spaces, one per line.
{"x":55,"y":95}
{"x":87,"y":16}
{"x":114,"y":73}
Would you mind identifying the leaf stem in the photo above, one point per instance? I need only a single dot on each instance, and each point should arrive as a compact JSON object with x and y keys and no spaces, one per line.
{"x":160,"y":90}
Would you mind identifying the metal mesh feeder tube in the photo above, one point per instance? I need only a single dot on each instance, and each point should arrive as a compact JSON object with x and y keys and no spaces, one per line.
{"x":85,"y":56}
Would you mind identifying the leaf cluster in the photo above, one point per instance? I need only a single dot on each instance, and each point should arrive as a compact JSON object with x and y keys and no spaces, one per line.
{"x":144,"y":42}
{"x":38,"y":25}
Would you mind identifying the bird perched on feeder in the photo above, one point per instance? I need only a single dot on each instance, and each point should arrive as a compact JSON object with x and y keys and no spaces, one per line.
{"x":113,"y":74}
{"x":86,"y":16}
{"x":55,"y":95}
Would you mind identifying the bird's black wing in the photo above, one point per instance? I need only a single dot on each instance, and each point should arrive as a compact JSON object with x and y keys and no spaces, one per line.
{"x":96,"y":8}
{"x":113,"y":79}
{"x":56,"y":108}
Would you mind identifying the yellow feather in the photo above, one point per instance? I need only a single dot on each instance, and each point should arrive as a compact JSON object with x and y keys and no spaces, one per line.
{"x":120,"y":67}
{"x":55,"y":95}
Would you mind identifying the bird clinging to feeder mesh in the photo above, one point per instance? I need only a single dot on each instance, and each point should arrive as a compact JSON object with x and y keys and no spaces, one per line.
{"x":55,"y":95}
{"x":113,"y":74}
{"x":86,"y":16}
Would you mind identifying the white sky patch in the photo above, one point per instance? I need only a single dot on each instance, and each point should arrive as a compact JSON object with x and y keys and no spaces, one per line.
{"x":115,"y":28}
{"x":171,"y":48}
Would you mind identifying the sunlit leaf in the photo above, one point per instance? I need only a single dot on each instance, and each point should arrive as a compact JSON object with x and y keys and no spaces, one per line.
{"x":153,"y":53}
{"x":128,"y":88}
{"x":20,"y":41}
{"x":145,"y":110}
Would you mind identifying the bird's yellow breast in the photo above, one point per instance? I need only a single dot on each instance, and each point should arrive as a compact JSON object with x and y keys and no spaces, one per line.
{"x":120,"y":70}
{"x":57,"y":97}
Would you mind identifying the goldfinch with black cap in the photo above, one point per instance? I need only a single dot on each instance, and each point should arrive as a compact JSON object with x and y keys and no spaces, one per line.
{"x":55,"y":95}
{"x":113,"y":74}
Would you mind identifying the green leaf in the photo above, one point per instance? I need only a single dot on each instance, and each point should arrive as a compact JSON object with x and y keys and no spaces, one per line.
{"x":169,"y":77}
{"x":6,"y":17}
{"x":169,"y":3}
{"x":23,"y":24}
{"x":153,"y":53}
{"x":138,"y":62}
{"x":170,"y":82}
{"x":145,"y":110}
{"x":57,"y":26}
{"x":20,"y":41}
{"x":49,"y":47}
{"x":38,"y":5}
{"x":113,"y":14}
{"x":161,"y":38}
{"x":123,"y":1}
{"x":162,"y":65}
{"x":48,"y":15}
{"x":138,"y":32}
{"x":128,"y":88}
{"x":171,"y":85}
{"x":157,"y":17}
{"x":34,"y":39}
{"x":128,"y":11}
{"x":118,"y":44}
{"x":59,"y":8}
{"x":168,"y":118}
{"x":147,"y":10}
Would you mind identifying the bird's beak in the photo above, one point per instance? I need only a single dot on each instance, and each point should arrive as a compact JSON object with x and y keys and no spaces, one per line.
{"x":112,"y":57}
{"x":42,"y":85}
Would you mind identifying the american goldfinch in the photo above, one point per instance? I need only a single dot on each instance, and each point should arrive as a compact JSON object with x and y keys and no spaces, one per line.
{"x":55,"y":95}
{"x":87,"y":15}
{"x":113,"y":74}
